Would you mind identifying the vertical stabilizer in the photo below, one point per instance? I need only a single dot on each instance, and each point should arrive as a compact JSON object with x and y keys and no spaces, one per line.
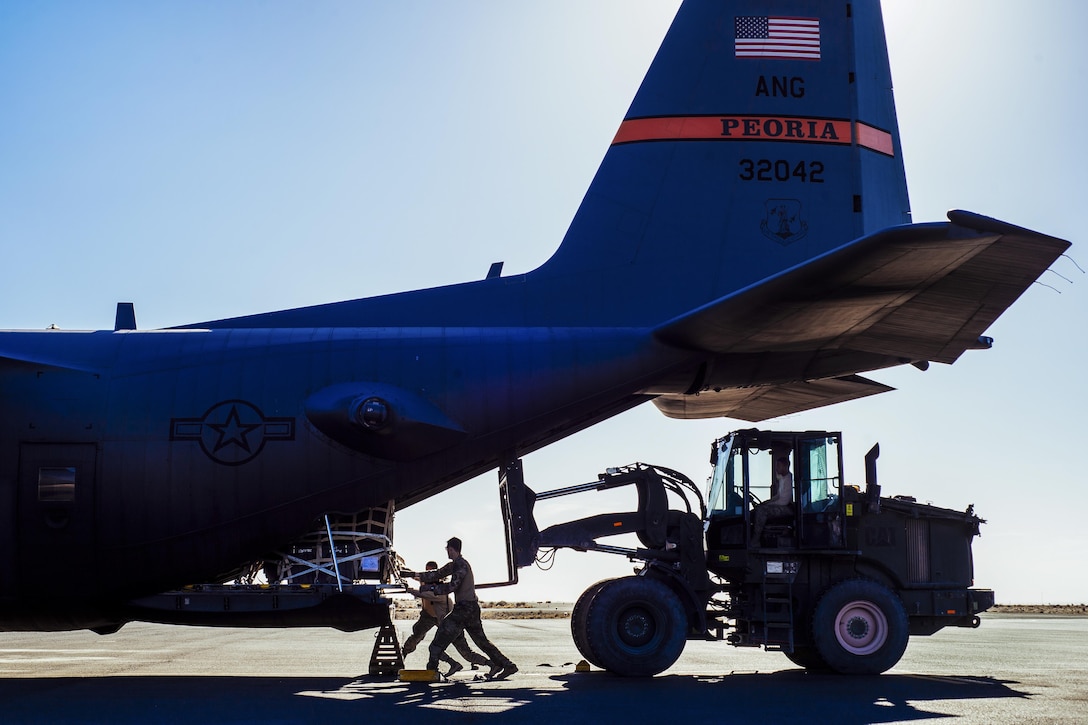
{"x":763,"y":135}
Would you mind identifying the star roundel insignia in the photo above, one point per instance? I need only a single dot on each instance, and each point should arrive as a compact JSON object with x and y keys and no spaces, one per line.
{"x":232,"y":432}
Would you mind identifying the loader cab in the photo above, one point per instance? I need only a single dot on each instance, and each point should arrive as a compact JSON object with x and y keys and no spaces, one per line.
{"x":744,"y":476}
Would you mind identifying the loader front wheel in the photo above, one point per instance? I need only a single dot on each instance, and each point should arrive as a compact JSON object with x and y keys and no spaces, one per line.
{"x":578,"y":622}
{"x":635,"y":626}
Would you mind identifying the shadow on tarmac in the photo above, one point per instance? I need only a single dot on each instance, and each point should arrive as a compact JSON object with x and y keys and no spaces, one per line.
{"x":598,"y":697}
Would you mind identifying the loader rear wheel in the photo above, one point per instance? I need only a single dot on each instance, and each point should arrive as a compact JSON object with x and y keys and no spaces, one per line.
{"x":578,"y":622}
{"x":635,"y":626}
{"x":808,"y":658}
{"x":860,"y":627}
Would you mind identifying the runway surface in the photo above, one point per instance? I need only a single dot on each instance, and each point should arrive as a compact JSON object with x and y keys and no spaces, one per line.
{"x":1013,"y":669}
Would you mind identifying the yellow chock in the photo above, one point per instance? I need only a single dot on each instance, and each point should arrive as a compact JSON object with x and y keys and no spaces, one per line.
{"x":582,"y":666}
{"x":419,"y":676}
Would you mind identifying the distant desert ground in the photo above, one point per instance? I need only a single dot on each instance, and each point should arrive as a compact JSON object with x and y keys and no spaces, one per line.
{"x":1066,"y":610}
{"x":409,"y":609}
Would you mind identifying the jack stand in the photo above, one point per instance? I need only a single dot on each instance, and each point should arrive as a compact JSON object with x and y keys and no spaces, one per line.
{"x":386,"y":659}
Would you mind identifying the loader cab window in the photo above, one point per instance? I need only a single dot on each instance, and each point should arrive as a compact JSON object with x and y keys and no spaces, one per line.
{"x":821,"y":478}
{"x":820,"y":474}
{"x":762,"y":480}
{"x":726,"y":494}
{"x":819,"y":484}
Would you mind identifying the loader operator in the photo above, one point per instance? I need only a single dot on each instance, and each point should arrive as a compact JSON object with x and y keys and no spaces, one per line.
{"x":435,"y":607}
{"x":465,"y":616}
{"x":780,"y":504}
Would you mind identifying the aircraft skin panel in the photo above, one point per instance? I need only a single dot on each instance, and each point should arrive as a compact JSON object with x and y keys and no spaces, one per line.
{"x":26,"y":346}
{"x":744,"y":249}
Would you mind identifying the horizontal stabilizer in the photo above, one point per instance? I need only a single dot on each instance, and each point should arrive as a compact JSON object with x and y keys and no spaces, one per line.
{"x":768,"y":401}
{"x":913,"y":292}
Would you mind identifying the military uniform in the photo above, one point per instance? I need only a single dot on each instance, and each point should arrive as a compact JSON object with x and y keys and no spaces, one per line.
{"x":465,"y":617}
{"x":780,"y":505}
{"x":435,"y":609}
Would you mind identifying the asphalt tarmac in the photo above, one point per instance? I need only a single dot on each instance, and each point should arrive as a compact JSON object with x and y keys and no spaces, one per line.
{"x":1015,"y":668}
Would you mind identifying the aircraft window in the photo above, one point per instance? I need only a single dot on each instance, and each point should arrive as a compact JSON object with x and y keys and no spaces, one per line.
{"x":57,"y":485}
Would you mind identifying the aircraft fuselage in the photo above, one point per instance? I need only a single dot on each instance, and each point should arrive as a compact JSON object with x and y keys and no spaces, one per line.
{"x":195,"y":450}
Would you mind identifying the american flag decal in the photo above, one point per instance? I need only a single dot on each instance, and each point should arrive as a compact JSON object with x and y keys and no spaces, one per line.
{"x":759,"y":36}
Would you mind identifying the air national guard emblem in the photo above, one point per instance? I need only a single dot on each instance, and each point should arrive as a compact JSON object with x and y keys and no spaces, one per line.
{"x":782,"y":221}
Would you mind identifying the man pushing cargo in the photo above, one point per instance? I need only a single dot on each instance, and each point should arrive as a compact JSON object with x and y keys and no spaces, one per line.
{"x":465,"y":616}
{"x":434,"y":609}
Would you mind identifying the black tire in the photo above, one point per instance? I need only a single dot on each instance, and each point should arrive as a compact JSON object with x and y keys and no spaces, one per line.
{"x":808,"y":658}
{"x":860,"y":627}
{"x":635,"y":626}
{"x":578,"y":622}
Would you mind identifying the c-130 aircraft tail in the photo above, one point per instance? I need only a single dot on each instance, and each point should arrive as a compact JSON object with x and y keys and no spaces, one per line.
{"x":753,"y":206}
{"x":744,"y":250}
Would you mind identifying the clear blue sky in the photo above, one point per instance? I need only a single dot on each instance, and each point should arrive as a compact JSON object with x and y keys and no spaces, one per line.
{"x":207,"y":159}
